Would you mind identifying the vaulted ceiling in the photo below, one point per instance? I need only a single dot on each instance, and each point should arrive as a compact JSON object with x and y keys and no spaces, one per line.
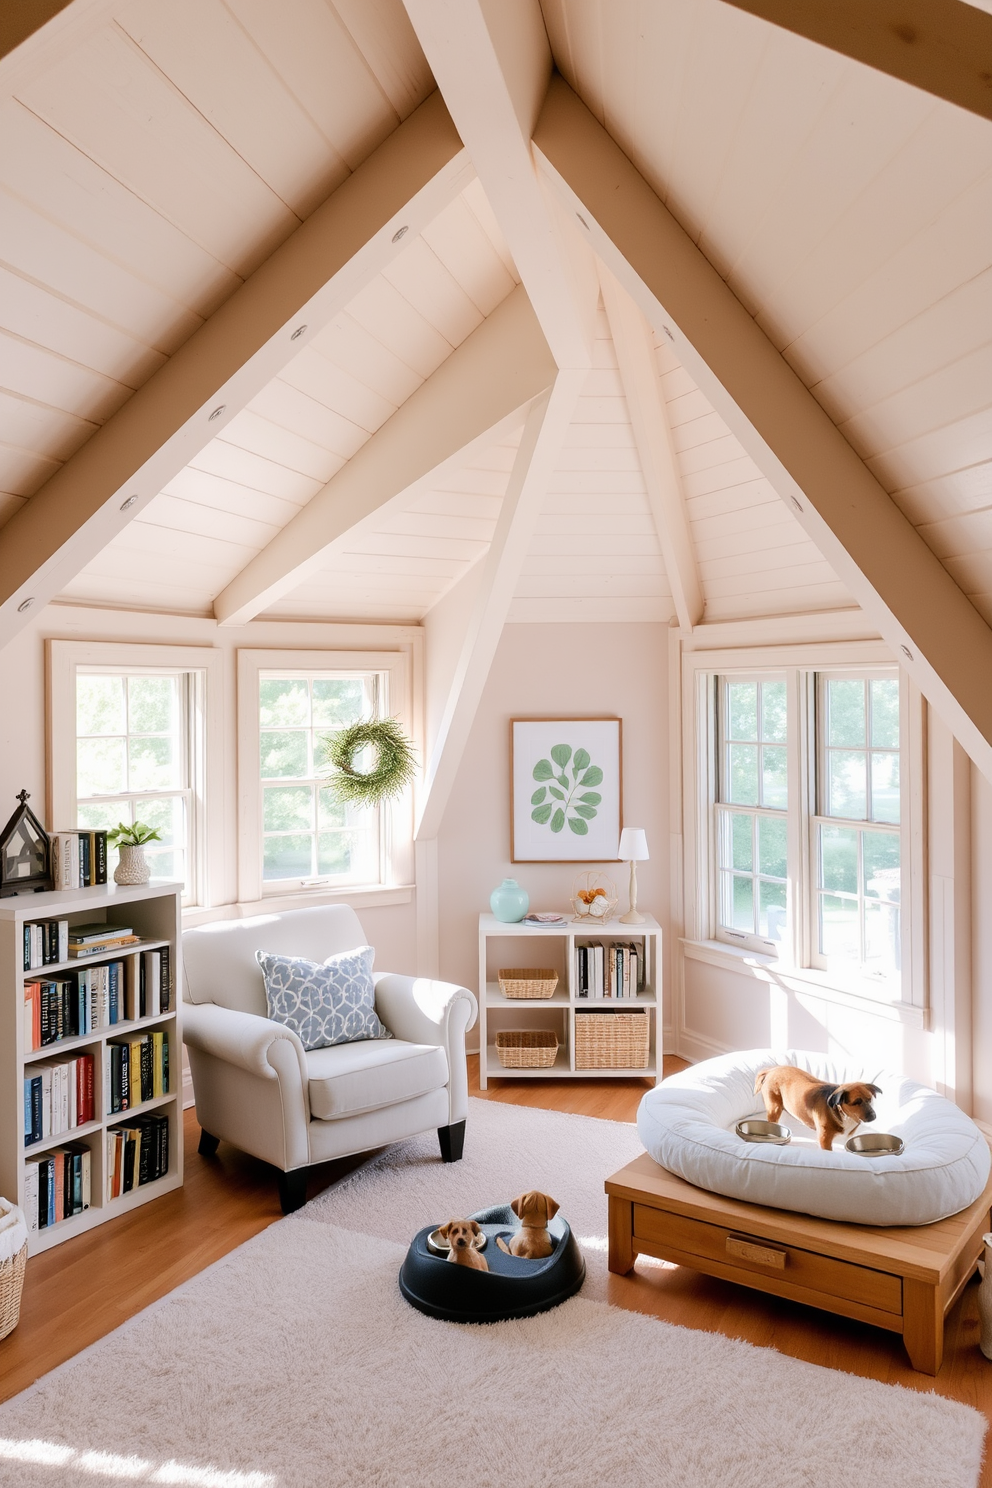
{"x":155,"y":155}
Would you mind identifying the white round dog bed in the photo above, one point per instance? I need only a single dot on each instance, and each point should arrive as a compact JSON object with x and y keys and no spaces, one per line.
{"x":687,"y":1125}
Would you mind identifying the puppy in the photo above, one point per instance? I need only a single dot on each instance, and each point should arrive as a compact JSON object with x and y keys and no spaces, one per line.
{"x":826,"y":1108}
{"x":533,"y":1240}
{"x":462,"y":1236}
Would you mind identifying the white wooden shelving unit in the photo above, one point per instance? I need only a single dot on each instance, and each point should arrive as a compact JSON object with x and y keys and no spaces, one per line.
{"x":153,"y":910}
{"x":502,"y":945}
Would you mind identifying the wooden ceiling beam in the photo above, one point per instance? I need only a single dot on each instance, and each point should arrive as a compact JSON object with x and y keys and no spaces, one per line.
{"x":492,"y":61}
{"x":499,"y":368}
{"x":544,"y":434}
{"x":634,"y":346}
{"x":361,"y":227}
{"x":943,"y":47}
{"x":904,"y":589}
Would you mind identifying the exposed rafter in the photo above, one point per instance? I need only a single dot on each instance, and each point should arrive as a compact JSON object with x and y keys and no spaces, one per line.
{"x":500,"y":367}
{"x":492,"y":62}
{"x":405,"y":183}
{"x":543,"y":436}
{"x":941,"y":46}
{"x":652,"y":433}
{"x":872,"y":547}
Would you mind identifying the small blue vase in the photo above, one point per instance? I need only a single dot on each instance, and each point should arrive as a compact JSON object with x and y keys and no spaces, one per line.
{"x":509,"y":902}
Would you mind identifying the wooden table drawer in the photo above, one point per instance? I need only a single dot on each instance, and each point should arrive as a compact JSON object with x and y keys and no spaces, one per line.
{"x":776,"y":1260}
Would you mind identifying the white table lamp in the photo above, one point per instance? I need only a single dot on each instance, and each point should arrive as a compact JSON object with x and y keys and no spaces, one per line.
{"x":633,"y":849}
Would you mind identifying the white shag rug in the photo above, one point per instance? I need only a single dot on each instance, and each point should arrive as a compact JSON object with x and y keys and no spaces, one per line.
{"x":508,"y":1149}
{"x":295,"y":1363}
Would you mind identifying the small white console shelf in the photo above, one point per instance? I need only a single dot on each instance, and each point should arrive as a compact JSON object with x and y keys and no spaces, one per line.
{"x":504,"y":946}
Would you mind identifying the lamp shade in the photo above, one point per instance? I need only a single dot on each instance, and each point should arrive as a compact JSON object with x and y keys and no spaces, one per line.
{"x":633,"y":845}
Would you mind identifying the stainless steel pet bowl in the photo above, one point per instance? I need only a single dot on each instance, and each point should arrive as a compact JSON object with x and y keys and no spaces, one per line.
{"x":875,"y":1144}
{"x":763,"y":1131}
{"x":437,"y":1243}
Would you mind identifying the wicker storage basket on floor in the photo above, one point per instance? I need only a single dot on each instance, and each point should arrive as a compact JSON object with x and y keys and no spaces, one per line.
{"x":612,"y":1040}
{"x":530,"y":1049}
{"x":525,"y":981}
{"x":11,"y":1283}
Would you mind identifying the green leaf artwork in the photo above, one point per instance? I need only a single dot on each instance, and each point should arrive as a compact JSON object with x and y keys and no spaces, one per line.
{"x":574,"y":773}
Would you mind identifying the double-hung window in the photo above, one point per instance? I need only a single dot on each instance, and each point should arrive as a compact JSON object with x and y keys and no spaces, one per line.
{"x":128,"y":743}
{"x":809,"y":812}
{"x":296,"y":838}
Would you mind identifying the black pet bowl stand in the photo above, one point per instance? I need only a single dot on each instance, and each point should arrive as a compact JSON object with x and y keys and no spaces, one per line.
{"x":512,"y":1287}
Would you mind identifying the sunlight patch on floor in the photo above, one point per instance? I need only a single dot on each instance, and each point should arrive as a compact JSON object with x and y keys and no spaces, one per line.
{"x":130,"y":1469}
{"x":600,"y":1243}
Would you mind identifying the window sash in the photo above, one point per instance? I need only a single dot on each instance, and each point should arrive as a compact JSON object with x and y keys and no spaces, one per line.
{"x":378,"y":702}
{"x":704,"y":742}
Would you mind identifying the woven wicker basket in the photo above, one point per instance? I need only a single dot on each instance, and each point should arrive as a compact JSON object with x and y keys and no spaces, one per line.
{"x":612,"y":1040}
{"x":530,"y":1049}
{"x":525,"y":981}
{"x":11,"y":1282}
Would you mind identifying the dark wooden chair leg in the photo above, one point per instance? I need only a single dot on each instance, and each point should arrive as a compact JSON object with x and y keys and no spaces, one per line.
{"x":293,"y":1190}
{"x":452,"y":1140}
{"x":208,"y":1144}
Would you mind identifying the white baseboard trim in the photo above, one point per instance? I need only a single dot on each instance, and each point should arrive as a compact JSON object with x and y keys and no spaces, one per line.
{"x":696,"y":1046}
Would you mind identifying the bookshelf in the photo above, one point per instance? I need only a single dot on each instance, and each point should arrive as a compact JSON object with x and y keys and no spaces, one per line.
{"x":502,"y":945}
{"x":153,"y":910}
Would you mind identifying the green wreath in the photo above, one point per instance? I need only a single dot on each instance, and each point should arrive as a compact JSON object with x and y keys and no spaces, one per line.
{"x":394,"y":768}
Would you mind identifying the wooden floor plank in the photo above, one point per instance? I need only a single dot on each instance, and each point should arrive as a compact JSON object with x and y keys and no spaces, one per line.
{"x":79,"y":1291}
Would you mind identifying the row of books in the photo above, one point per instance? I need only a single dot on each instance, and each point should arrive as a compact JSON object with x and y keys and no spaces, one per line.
{"x":97,"y":997}
{"x":135,"y":1070}
{"x":614,"y":970}
{"x":57,"y":1185}
{"x":137,"y":1154}
{"x":47,"y":942}
{"x":58,"y":1095}
{"x":79,"y":859}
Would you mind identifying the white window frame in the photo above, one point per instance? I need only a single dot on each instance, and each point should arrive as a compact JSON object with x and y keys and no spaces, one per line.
{"x":204,"y":731}
{"x":396,"y":822}
{"x":795,"y":958}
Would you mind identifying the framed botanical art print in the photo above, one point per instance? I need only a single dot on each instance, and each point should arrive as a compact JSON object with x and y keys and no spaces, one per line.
{"x":565,"y":790}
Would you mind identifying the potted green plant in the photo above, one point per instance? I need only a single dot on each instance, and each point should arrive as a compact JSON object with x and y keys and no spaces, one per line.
{"x":130,"y":839}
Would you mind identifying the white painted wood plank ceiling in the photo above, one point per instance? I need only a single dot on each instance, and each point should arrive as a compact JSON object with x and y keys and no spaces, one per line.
{"x":145,"y":174}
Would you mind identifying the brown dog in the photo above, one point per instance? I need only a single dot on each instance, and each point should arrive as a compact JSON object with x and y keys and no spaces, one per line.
{"x":462,"y":1236}
{"x":826,"y":1108}
{"x":533,"y":1239}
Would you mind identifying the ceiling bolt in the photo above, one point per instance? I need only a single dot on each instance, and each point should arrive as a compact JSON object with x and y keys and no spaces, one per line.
{"x":297,"y":333}
{"x":796,"y":503}
{"x":217,"y":412}
{"x":400,"y":233}
{"x":906,"y":652}
{"x":126,"y":505}
{"x":25,"y":604}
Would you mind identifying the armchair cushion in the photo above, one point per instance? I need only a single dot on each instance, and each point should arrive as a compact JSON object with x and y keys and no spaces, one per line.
{"x":352,"y":1078}
{"x":328,"y":1004}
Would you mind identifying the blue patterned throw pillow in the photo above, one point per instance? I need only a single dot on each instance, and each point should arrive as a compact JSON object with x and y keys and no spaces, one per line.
{"x":327,"y":1004}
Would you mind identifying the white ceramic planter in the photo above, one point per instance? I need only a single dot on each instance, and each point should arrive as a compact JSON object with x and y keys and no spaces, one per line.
{"x":133,"y":867}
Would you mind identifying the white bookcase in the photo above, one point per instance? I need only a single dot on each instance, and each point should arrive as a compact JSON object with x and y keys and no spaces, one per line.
{"x":503,"y":946}
{"x":153,"y":912}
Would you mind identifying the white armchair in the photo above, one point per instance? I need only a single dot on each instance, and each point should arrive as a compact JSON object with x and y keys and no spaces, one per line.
{"x":256,"y":1086}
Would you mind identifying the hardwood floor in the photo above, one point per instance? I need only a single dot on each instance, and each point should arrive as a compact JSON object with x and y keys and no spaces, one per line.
{"x":83,"y":1289}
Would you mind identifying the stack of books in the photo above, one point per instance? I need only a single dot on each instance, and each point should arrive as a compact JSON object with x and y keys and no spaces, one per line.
{"x":79,"y":859}
{"x":57,"y":1185}
{"x":137,"y":1154}
{"x":93,"y":940}
{"x":58,"y":1095}
{"x":135,"y":1070}
{"x":615,"y":970}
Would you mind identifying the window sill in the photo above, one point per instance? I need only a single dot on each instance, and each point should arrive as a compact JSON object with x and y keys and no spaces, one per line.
{"x":802,"y":980}
{"x":380,"y":897}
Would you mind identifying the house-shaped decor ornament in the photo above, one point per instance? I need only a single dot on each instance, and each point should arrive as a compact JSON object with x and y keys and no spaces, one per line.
{"x":25,"y":853}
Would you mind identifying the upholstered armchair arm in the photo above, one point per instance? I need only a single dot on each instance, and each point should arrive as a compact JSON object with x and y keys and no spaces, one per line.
{"x":250,"y":1081}
{"x":252,"y":1043}
{"x":423,"y":1011}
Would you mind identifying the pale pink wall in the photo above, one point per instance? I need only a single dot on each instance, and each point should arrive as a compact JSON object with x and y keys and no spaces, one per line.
{"x":547,"y":671}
